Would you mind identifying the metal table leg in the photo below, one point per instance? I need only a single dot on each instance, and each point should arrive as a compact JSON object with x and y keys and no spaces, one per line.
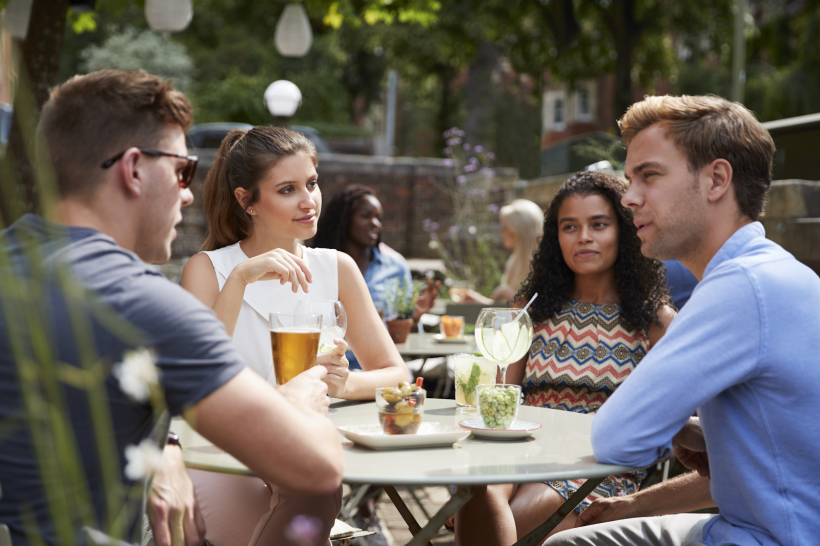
{"x":538,"y":534}
{"x":422,"y":535}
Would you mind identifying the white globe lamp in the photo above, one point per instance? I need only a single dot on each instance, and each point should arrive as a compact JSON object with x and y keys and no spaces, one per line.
{"x":293,"y":35}
{"x":168,"y":15}
{"x":282,"y":99}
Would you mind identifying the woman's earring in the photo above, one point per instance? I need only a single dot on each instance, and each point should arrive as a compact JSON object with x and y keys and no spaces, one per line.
{"x":250,"y":210}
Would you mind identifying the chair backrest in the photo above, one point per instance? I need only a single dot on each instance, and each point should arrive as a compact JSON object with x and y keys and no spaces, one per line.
{"x":469,"y":311}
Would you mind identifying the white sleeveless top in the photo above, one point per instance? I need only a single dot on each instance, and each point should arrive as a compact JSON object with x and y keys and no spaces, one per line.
{"x":252,"y":333}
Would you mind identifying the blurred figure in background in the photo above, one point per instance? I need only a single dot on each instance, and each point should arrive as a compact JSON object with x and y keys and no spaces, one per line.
{"x":681,"y":282}
{"x":522,"y":224}
{"x":352,"y":223}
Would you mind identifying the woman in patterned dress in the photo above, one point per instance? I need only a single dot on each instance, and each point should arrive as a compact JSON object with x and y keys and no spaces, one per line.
{"x":601,"y":305}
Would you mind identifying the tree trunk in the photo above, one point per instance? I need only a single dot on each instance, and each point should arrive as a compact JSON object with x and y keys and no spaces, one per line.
{"x":39,"y":67}
{"x":479,"y":94}
{"x":626,"y":32}
{"x":445,"y":78}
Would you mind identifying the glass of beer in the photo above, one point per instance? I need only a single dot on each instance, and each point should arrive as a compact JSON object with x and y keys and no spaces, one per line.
{"x":294,"y":341}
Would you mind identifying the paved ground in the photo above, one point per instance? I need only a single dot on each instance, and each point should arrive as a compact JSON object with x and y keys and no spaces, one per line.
{"x":430,"y":499}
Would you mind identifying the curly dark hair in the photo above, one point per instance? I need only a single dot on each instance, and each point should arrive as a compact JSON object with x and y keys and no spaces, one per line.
{"x":641,"y":281}
{"x":334,"y":221}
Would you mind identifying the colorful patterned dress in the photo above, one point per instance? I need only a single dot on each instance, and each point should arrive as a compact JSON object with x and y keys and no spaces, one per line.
{"x":577,"y":359}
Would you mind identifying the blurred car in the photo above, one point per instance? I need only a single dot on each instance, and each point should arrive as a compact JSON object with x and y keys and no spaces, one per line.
{"x":210,"y":135}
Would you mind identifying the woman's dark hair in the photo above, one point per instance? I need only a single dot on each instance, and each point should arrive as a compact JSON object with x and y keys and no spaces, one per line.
{"x":641,"y":281}
{"x":244,"y":159}
{"x":334,"y":222}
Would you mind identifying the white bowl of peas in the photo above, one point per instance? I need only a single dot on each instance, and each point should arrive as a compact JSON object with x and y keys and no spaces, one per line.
{"x":497,"y":404}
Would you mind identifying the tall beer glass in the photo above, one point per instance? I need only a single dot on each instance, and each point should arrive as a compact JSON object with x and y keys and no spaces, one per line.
{"x":294,"y":341}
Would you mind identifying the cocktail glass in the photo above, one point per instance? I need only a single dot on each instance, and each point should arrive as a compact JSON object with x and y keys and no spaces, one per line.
{"x":503,"y":336}
{"x":469,"y":371}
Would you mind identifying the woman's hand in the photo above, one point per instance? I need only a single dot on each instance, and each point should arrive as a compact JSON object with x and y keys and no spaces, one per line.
{"x":426,"y":299}
{"x":276,"y":264}
{"x":337,"y":369}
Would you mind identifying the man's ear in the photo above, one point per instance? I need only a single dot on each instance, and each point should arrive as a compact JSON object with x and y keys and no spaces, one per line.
{"x":719,"y":173}
{"x":132,"y":178}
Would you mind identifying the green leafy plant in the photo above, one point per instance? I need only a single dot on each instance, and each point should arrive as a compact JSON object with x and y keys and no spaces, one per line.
{"x":400,"y":298}
{"x":470,"y":245}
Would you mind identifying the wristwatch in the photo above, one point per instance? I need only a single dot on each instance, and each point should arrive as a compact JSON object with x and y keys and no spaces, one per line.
{"x":173,"y":439}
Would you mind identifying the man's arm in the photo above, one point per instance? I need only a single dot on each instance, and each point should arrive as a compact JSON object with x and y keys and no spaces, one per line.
{"x":683,"y":493}
{"x":712,"y":345}
{"x":294,"y":447}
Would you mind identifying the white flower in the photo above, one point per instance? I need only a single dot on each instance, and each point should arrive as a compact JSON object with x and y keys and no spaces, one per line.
{"x":433,"y":244}
{"x":137,"y":374}
{"x":142,"y":460}
{"x":472,"y":230}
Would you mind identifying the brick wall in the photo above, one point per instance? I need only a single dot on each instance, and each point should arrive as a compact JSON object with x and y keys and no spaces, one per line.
{"x":408,"y":189}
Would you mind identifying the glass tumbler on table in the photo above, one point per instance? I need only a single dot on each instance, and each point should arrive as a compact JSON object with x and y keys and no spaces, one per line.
{"x":470,"y":371}
{"x":334,"y":325}
{"x":400,"y":408}
{"x":294,"y":341}
{"x":503,"y":336}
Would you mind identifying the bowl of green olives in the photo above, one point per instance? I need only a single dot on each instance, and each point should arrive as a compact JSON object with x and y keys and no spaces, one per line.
{"x":400,"y":408}
{"x":497,"y":404}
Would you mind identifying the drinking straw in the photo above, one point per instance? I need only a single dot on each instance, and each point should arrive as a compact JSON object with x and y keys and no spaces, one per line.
{"x":532,"y":299}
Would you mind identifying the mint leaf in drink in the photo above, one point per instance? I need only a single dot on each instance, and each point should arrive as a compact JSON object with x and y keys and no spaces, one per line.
{"x":470,"y":385}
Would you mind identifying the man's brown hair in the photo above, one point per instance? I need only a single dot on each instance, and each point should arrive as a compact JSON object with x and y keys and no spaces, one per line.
{"x":706,"y":128}
{"x":92,"y":117}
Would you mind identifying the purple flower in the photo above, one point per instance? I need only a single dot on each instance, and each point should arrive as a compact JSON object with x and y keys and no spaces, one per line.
{"x":469,"y":168}
{"x":478,"y":149}
{"x":490,"y":155}
{"x":461,"y":179}
{"x":448,"y":150}
{"x":453,"y":230}
{"x":493,"y":208}
{"x":434,"y":225}
{"x":466,"y":146}
{"x":447,"y":162}
{"x":304,"y":529}
{"x":487,"y":171}
{"x":434,"y":236}
{"x":454,"y":141}
{"x":461,"y":133}
{"x":473,"y":160}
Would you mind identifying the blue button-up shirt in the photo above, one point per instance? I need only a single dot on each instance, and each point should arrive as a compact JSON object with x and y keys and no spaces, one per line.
{"x":744,"y":353}
{"x":386,"y":264}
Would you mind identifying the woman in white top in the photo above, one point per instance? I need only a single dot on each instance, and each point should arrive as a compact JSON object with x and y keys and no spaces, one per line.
{"x":261,"y":197}
{"x":522,"y":225}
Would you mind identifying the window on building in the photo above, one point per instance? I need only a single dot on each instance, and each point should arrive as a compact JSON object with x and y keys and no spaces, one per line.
{"x":558,"y":112}
{"x":583,"y":102}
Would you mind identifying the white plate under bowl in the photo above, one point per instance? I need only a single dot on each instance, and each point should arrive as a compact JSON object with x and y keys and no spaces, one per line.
{"x":441,"y":338}
{"x":429,"y":435}
{"x":520,"y":429}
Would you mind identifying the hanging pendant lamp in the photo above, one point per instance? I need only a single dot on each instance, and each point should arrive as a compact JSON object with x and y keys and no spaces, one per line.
{"x":293,"y":35}
{"x":168,"y":15}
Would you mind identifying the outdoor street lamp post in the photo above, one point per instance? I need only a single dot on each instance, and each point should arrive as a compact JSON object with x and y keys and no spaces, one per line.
{"x":282,"y":99}
{"x":168,"y":15}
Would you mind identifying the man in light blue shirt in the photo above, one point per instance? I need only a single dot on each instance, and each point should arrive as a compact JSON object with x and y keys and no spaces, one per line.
{"x":743,"y":353}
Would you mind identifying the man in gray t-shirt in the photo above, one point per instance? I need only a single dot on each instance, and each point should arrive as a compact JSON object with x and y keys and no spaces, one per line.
{"x":116,"y":142}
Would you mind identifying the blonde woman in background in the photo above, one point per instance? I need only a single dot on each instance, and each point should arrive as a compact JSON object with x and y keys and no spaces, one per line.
{"x":522,"y":224}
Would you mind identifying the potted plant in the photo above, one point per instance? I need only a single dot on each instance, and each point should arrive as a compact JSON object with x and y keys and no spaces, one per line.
{"x":400,"y":299}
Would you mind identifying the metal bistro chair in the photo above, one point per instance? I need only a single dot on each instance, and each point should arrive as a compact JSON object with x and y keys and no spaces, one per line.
{"x":5,"y":534}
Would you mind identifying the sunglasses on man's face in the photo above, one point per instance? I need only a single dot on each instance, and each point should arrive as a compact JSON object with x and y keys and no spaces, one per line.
{"x":185,"y":176}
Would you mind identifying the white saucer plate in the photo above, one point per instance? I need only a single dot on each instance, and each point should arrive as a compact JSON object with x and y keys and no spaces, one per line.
{"x":429,"y":435}
{"x":441,"y":338}
{"x":520,"y":429}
